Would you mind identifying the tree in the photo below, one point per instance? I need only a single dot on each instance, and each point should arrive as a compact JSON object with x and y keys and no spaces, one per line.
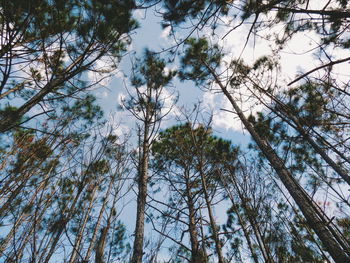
{"x":189,"y":158}
{"x":51,"y":186}
{"x":49,"y":45}
{"x":196,"y":64}
{"x":271,"y":225}
{"x":147,"y":106}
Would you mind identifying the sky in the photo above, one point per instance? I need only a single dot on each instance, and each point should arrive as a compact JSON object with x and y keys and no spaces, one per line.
{"x":151,"y":35}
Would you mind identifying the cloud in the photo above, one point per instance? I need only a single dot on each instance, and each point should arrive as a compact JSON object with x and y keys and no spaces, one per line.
{"x":101,"y":72}
{"x":221,"y":108}
{"x":165,"y":32}
{"x":139,"y":14}
{"x":169,"y":98}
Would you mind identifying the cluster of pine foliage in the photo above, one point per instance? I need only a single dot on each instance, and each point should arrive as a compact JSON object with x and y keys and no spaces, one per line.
{"x":64,"y":173}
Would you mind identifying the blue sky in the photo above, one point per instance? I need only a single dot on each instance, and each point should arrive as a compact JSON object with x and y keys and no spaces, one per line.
{"x":151,"y":35}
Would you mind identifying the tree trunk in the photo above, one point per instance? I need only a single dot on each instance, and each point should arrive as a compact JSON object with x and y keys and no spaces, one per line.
{"x":142,"y":193}
{"x":65,"y":218}
{"x":98,"y":222}
{"x":247,"y":236}
{"x":72,"y":70}
{"x":101,"y":245}
{"x":243,"y":224}
{"x":21,"y":218}
{"x":196,"y":256}
{"x":79,"y":237}
{"x":248,"y":210}
{"x":211,"y":218}
{"x":299,"y":127}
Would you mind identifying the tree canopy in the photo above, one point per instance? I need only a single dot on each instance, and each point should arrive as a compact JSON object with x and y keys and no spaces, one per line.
{"x":163,"y":182}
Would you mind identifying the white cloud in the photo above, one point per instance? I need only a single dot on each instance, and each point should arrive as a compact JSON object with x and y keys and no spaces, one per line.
{"x":139,"y":14}
{"x":170,"y":109}
{"x":165,"y":32}
{"x":101,"y":72}
{"x":224,"y":117}
{"x":120,"y":98}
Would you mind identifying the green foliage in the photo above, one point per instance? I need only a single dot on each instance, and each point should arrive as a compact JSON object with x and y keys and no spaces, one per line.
{"x":309,"y":103}
{"x":84,"y":110}
{"x":344,"y":224}
{"x":86,"y":19}
{"x":150,"y":76}
{"x":99,"y":167}
{"x":31,"y":152}
{"x":151,"y":72}
{"x":59,"y":41}
{"x":181,"y":11}
{"x":183,"y":145}
{"x":118,"y":243}
{"x":198,"y":56}
{"x":10,"y":111}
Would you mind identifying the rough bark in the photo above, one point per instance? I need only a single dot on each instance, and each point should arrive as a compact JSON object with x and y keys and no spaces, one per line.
{"x":101,"y":245}
{"x":142,"y":193}
{"x":196,"y":255}
{"x":212,"y":219}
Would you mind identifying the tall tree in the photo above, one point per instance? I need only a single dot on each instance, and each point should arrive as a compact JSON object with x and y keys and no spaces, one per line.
{"x":147,"y":104}
{"x":190,"y":158}
{"x":199,"y":63}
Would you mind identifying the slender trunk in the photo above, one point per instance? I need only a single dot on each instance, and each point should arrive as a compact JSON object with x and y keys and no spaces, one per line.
{"x":16,"y":255}
{"x":98,"y":222}
{"x":65,"y":218}
{"x":242,"y":223}
{"x":343,"y":174}
{"x":29,"y":232}
{"x":25,"y":178}
{"x":196,"y":256}
{"x":22,"y":178}
{"x":256,"y":229}
{"x":298,"y":125}
{"x":101,"y":245}
{"x":335,"y":244}
{"x":111,"y":218}
{"x":22,"y":217}
{"x":211,"y":218}
{"x":142,"y":184}
{"x":247,"y":236}
{"x":72,"y":70}
{"x":248,"y":210}
{"x":307,"y":228}
{"x":100,"y":248}
{"x":205,"y":260}
{"x":43,"y":246}
{"x":79,"y":237}
{"x":141,"y":199}
{"x":213,"y":226}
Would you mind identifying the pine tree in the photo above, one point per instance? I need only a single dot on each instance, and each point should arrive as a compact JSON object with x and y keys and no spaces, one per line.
{"x":147,"y":106}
